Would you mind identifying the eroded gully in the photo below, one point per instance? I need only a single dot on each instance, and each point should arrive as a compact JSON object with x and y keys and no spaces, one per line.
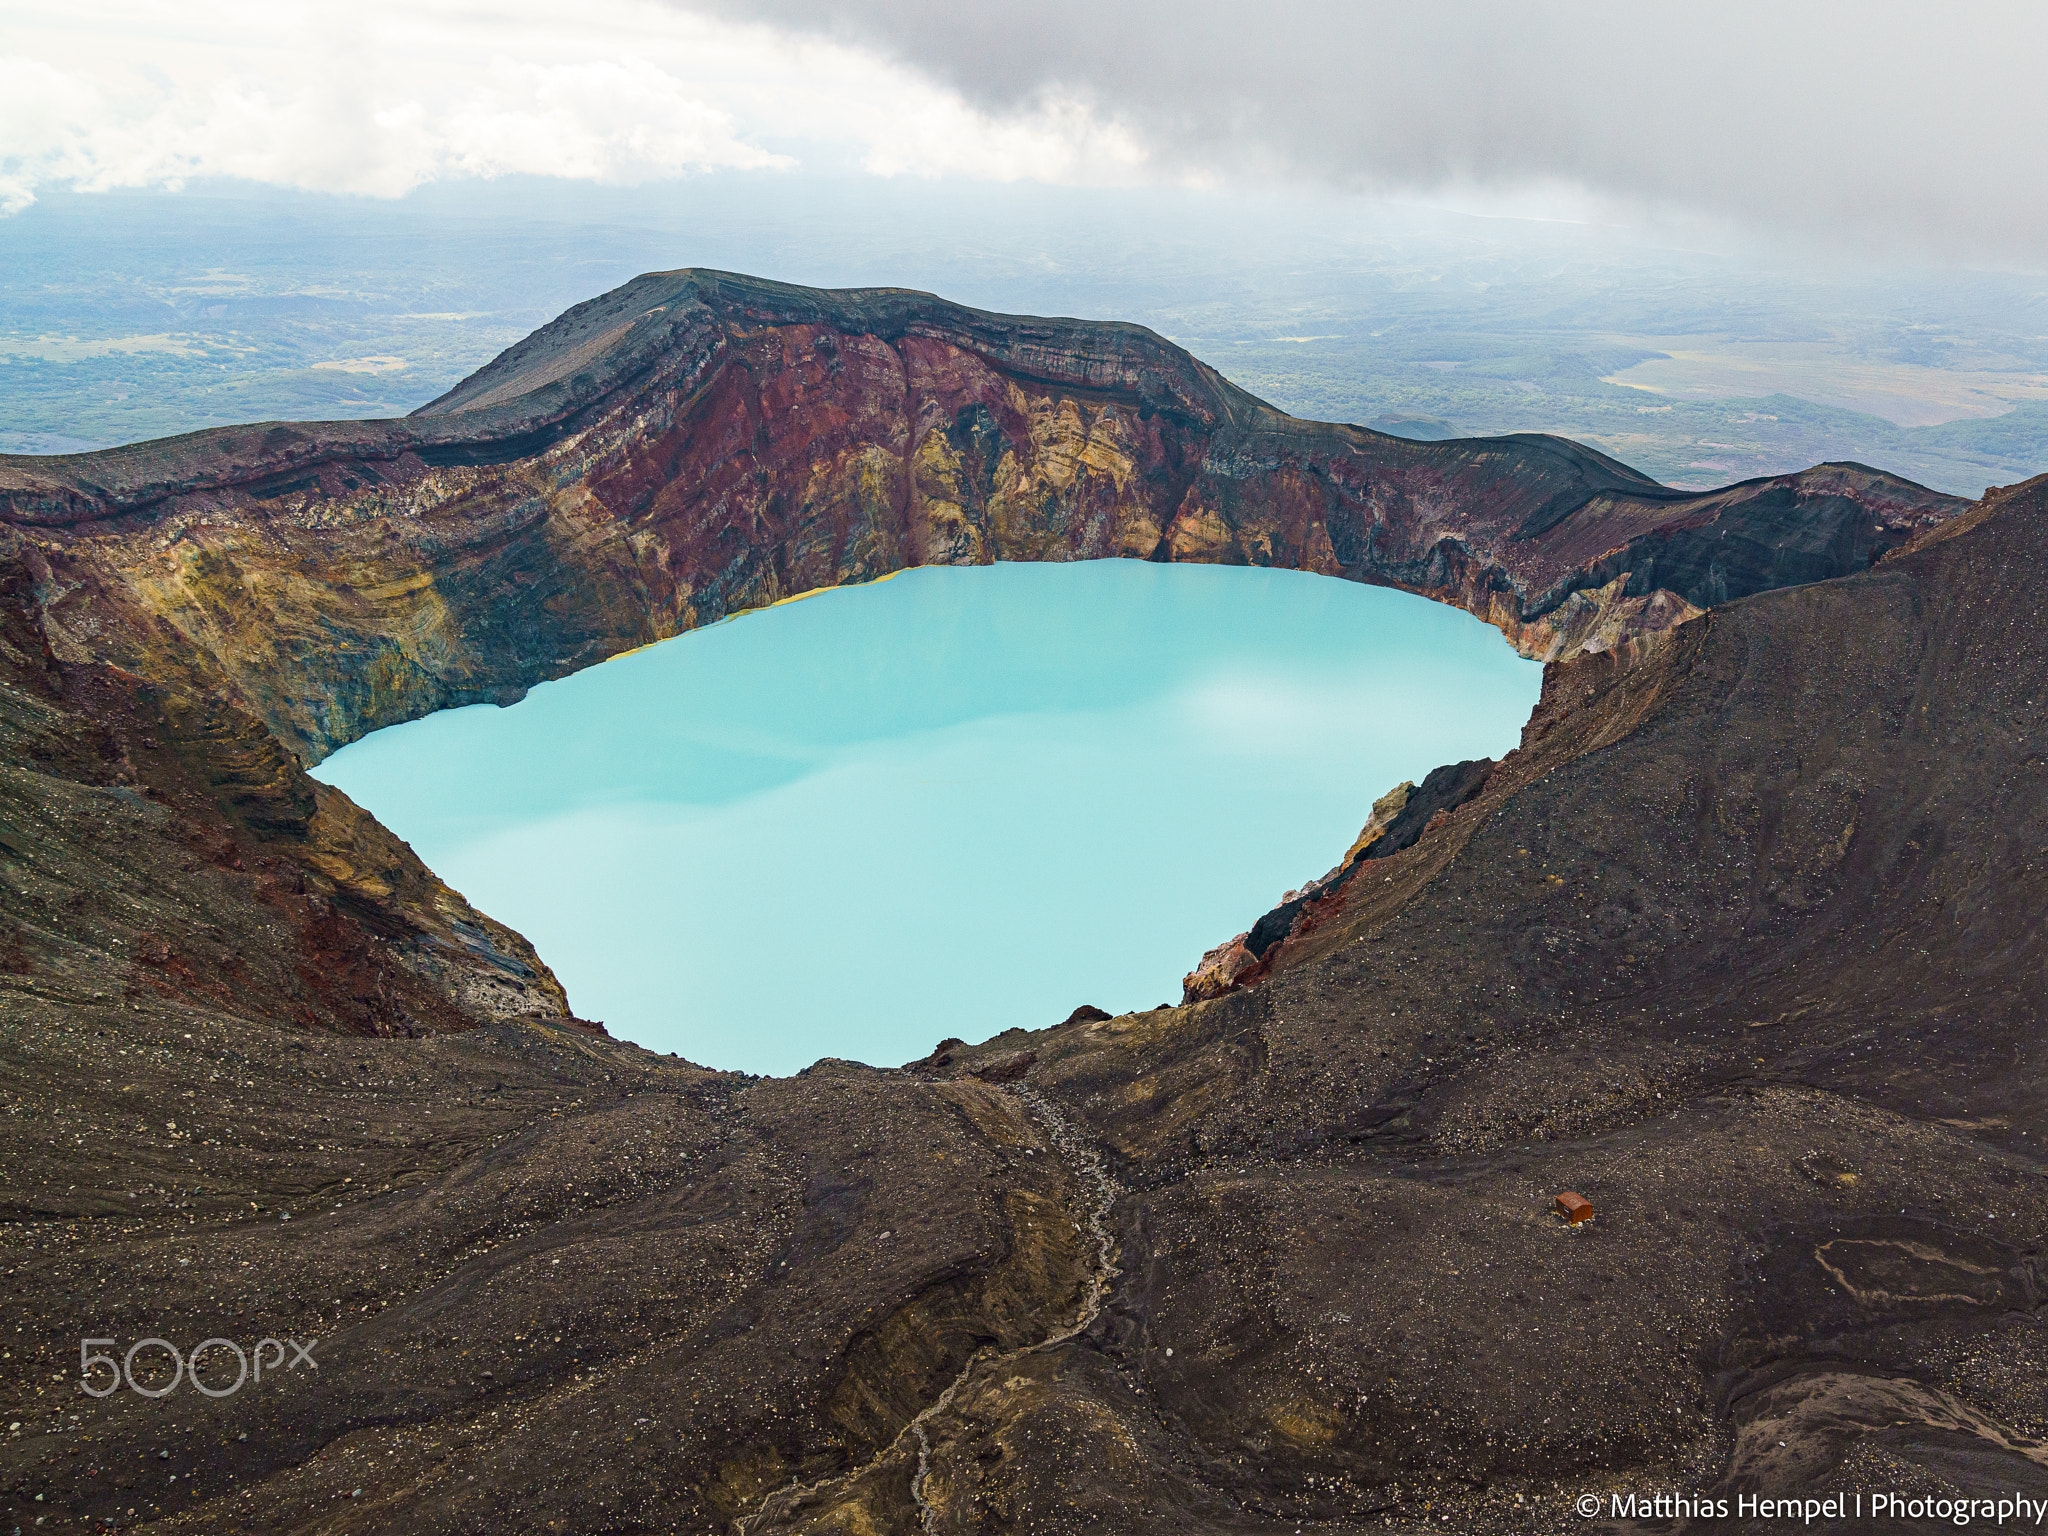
{"x":1098,"y":1190}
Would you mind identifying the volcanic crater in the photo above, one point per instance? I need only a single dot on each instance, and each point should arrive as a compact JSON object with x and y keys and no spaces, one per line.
{"x":1743,"y":944}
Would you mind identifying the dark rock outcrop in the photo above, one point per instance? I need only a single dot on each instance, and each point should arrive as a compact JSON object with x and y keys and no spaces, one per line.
{"x":1428,"y":805}
{"x":1400,"y":819}
{"x":1424,"y":808}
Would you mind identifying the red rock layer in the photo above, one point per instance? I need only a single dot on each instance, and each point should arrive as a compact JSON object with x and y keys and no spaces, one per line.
{"x":694,"y":444}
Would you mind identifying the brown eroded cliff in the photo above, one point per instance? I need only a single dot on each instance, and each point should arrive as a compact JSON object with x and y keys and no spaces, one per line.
{"x":694,"y":444}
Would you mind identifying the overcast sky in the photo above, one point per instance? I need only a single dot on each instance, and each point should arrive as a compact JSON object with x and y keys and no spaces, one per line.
{"x":1876,"y":124}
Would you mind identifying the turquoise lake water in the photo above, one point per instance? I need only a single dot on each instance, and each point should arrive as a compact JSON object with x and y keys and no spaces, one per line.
{"x":945,"y":804}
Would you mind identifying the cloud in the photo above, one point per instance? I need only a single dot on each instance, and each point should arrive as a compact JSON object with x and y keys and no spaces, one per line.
{"x":379,"y":97}
{"x":1882,"y":122}
{"x":294,"y":100}
{"x":1874,"y":121}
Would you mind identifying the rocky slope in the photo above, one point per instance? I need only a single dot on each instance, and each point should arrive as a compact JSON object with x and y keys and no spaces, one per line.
{"x":1743,"y":943}
{"x":695,"y":443}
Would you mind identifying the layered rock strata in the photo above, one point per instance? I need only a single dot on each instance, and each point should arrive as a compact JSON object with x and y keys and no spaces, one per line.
{"x":695,"y":444}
